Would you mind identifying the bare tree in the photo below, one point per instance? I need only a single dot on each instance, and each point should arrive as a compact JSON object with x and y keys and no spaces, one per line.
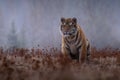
{"x":12,"y":37}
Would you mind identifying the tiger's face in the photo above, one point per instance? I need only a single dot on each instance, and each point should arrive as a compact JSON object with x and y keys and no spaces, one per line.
{"x":68,"y":26}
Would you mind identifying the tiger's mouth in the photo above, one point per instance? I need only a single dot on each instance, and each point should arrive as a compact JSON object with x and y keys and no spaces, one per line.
{"x":69,"y":33}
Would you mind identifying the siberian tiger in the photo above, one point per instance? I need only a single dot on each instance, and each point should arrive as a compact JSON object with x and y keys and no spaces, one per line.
{"x":74,"y":42}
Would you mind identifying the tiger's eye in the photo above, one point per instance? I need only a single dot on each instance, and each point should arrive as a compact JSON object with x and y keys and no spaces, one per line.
{"x":64,"y":23}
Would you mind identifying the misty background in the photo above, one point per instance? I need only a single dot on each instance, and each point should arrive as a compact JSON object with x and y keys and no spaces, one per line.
{"x":29,"y":23}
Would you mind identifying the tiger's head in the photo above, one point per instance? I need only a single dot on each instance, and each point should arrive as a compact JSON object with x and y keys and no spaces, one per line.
{"x":68,"y":26}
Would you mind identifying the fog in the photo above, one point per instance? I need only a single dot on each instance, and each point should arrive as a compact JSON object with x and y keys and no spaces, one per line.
{"x":29,"y":23}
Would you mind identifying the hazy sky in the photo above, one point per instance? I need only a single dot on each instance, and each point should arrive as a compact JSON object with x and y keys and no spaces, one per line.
{"x":38,"y":21}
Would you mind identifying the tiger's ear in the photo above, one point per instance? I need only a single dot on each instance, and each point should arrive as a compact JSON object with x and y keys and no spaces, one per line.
{"x":62,"y":19}
{"x":74,"y":20}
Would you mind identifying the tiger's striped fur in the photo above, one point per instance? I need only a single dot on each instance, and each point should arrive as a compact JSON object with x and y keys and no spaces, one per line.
{"x":74,"y":42}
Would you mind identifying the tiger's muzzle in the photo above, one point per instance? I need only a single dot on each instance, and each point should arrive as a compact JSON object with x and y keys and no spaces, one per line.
{"x":69,"y":33}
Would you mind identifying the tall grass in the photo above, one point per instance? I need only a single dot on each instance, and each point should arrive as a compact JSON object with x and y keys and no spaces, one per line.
{"x":44,"y":64}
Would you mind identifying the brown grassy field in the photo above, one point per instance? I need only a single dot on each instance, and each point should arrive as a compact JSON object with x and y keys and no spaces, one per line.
{"x":37,"y":64}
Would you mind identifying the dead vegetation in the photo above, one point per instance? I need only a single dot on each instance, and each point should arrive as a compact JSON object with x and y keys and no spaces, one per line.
{"x":37,"y":64}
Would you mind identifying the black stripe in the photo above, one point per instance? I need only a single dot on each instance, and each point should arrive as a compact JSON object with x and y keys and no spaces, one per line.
{"x":67,"y":41}
{"x":78,"y":39}
{"x":68,"y":49}
{"x":67,"y":45}
{"x":88,"y":52}
{"x":78,"y":42}
{"x":76,"y":36}
{"x":79,"y":47}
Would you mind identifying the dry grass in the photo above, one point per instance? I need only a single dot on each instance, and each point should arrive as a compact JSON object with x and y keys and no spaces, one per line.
{"x":37,"y":64}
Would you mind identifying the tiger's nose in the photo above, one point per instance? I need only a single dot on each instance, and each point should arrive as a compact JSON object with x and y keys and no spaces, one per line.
{"x":67,"y":29}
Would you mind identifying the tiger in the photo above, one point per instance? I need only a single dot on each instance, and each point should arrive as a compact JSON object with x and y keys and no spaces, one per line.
{"x":74,"y":43}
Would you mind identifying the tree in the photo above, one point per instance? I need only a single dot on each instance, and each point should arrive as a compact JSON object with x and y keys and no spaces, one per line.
{"x":22,"y":40}
{"x":12,"y":37}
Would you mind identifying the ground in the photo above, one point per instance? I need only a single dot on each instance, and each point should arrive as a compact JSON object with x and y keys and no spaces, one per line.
{"x":37,"y":64}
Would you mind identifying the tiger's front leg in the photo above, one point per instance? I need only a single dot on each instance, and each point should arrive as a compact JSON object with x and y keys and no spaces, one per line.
{"x":65,"y":52}
{"x":82,"y":54}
